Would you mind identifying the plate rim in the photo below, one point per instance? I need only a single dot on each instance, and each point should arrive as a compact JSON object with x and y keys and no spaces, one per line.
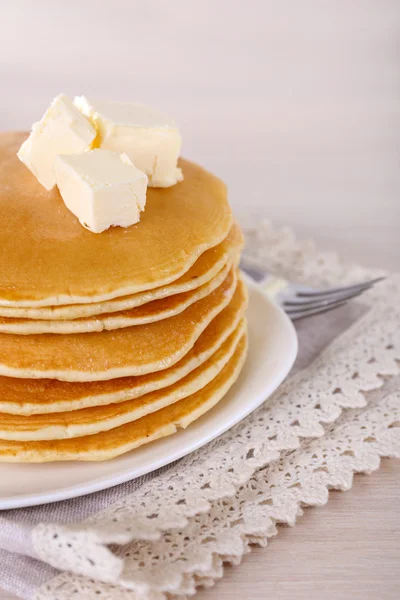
{"x":108,"y":481}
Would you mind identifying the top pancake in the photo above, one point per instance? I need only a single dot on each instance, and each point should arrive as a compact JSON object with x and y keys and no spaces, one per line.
{"x":208,"y":265}
{"x":48,"y":258}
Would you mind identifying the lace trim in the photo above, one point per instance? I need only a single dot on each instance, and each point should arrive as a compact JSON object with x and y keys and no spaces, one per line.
{"x":274,"y":494}
{"x":181,"y":560}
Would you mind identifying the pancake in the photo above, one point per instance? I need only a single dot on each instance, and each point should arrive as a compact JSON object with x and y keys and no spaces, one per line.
{"x":38,"y":396}
{"x":148,"y":313}
{"x":89,"y":421}
{"x":110,"y":354}
{"x":108,"y":444}
{"x":204,"y":269}
{"x":51,"y":259}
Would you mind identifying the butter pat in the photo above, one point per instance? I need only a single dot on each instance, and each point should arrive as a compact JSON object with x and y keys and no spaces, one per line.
{"x":62,"y":130}
{"x":101,"y":188}
{"x":151,"y":140}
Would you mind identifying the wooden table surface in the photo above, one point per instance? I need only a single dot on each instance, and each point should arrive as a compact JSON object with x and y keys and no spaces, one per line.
{"x":296,"y":106}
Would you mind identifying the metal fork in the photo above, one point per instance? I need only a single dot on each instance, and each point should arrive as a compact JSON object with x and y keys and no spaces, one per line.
{"x":300,"y":301}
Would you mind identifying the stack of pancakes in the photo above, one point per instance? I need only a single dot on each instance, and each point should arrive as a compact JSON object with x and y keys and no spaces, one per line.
{"x":111,"y":341}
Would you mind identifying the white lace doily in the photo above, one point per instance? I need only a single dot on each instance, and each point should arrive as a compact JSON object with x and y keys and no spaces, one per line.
{"x":333,"y":419}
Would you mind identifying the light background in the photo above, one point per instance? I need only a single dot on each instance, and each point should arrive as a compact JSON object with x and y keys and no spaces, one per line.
{"x":295,"y":104}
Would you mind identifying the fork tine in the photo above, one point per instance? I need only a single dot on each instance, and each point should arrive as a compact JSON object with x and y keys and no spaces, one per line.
{"x":334,"y":291}
{"x":324,"y":301}
{"x":309,"y":310}
{"x":314,"y":311}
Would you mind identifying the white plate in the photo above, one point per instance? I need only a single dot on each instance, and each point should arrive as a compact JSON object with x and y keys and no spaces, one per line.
{"x":272,"y":351}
